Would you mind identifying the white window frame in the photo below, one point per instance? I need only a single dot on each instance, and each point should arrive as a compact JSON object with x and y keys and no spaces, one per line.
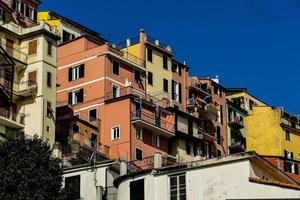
{"x":18,"y":6}
{"x":74,"y":97}
{"x":135,"y":152}
{"x":31,"y":12}
{"x":178,"y":188}
{"x":139,"y":136}
{"x":75,"y":72}
{"x":155,"y":140}
{"x":113,"y":134}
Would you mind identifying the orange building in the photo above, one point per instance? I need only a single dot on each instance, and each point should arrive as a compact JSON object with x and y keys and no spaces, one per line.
{"x":101,"y":82}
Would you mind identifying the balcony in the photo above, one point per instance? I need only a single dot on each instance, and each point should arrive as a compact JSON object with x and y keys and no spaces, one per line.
{"x":237,"y":145}
{"x":127,"y":91}
{"x":236,"y":123}
{"x":19,"y":57}
{"x":26,"y":89}
{"x":12,"y":120}
{"x":196,"y":86}
{"x":155,"y":124}
{"x":148,"y":163}
{"x":207,"y":133}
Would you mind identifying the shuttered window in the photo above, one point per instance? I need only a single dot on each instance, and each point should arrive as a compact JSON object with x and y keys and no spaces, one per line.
{"x":32,"y":47}
{"x":31,"y":78}
{"x":75,"y":97}
{"x":76,"y":72}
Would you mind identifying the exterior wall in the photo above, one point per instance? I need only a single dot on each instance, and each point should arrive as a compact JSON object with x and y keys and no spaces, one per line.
{"x":264,"y":134}
{"x":91,"y":180}
{"x":212,"y":183}
{"x":34,"y":105}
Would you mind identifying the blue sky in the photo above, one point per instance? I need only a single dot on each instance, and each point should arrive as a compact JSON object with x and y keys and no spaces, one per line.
{"x":248,"y":43}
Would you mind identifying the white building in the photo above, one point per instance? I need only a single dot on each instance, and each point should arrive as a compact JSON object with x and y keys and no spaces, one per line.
{"x":92,"y":182}
{"x":242,"y":176}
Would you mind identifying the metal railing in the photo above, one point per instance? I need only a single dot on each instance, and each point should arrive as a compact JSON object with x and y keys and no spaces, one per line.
{"x":158,"y":43}
{"x":132,"y":58}
{"x":128,"y":42}
{"x":14,"y":52}
{"x":236,"y":120}
{"x":164,"y":103}
{"x":7,"y":113}
{"x":147,"y":163}
{"x":152,"y":119}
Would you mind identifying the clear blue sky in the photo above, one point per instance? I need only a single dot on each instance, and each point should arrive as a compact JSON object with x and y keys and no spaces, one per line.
{"x":249,"y":43}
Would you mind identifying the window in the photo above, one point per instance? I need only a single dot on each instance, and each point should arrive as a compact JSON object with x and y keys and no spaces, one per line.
{"x":139,"y":133}
{"x":49,"y":79}
{"x":218,"y":113}
{"x":188,"y":148}
{"x":289,"y":165}
{"x":206,"y":150}
{"x":165,"y":85}
{"x":115,"y":91}
{"x":137,"y":190}
{"x":76,"y":97}
{"x":67,"y":36}
{"x":176,"y":91}
{"x":2,"y":14}
{"x":218,"y":135}
{"x":17,"y":5}
{"x":150,"y":78}
{"x":72,"y":184}
{"x":287,"y":135}
{"x":217,"y":90}
{"x":75,"y":128}
{"x":92,"y":115}
{"x":32,"y":47}
{"x":293,"y":124}
{"x":115,"y":133}
{"x":49,"y":49}
{"x":137,"y":76}
{"x":31,"y":78}
{"x":29,"y":12}
{"x":176,"y":69}
{"x":177,"y":187}
{"x":149,"y":55}
{"x":9,"y":46}
{"x":94,"y":141}
{"x":116,"y":67}
{"x":155,"y":140}
{"x":190,"y":127}
{"x":76,"y":72}
{"x":138,"y":154}
{"x":165,"y":62}
{"x":49,"y":109}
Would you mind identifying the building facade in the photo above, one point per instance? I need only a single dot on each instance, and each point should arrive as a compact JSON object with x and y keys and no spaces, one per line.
{"x":209,"y":179}
{"x":33,"y":52}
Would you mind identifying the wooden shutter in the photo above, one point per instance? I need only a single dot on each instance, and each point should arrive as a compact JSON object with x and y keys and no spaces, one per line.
{"x":180,"y":98}
{"x":70,"y":98}
{"x":32,"y":47}
{"x":80,"y":96}
{"x":70,"y":73}
{"x":81,"y":71}
{"x":9,"y":46}
{"x":173,"y":90}
{"x":31,"y":78}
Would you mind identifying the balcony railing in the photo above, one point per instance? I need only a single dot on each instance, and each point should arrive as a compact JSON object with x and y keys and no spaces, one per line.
{"x":195,"y":84}
{"x":15,"y":53}
{"x":132,"y":58}
{"x":26,"y":88}
{"x":148,"y":163}
{"x":130,"y":91}
{"x":235,"y":122}
{"x":158,"y":43}
{"x":9,"y":114}
{"x":152,"y":119}
{"x":128,"y":42}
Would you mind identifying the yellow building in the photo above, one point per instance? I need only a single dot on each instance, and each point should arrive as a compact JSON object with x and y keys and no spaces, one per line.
{"x":32,"y":50}
{"x":158,"y":62}
{"x":273,"y":132}
{"x":66,"y":28}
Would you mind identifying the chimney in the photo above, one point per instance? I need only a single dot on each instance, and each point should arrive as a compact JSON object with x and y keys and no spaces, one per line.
{"x":128,"y":42}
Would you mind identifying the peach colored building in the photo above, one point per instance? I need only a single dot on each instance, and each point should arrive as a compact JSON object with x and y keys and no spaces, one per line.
{"x":101,"y":82}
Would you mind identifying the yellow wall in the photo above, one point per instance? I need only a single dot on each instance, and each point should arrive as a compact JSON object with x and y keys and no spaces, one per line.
{"x":44,"y":15}
{"x":159,"y":73}
{"x":134,"y":50}
{"x":266,"y":136}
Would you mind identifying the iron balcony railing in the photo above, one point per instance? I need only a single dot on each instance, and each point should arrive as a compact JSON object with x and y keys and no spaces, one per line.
{"x":15,"y":52}
{"x":154,"y":120}
{"x":157,"y":43}
{"x":132,"y":58}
